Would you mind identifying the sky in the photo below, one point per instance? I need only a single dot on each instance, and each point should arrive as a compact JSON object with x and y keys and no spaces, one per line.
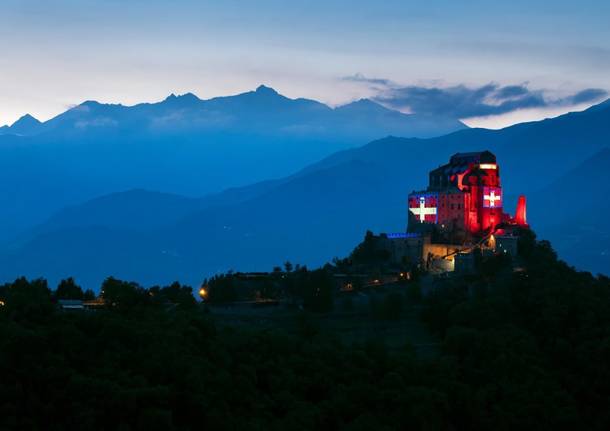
{"x":490,"y":63}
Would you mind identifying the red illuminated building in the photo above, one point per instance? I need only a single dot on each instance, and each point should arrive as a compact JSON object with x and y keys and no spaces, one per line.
{"x":464,"y":198}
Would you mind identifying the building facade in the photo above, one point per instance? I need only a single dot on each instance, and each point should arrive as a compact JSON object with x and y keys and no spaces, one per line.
{"x":463,"y":195}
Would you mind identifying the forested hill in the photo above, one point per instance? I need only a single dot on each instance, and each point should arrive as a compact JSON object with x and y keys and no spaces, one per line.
{"x":519,"y":350}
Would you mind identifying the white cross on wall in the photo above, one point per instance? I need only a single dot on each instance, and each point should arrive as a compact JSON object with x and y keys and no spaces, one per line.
{"x":422,"y":211}
{"x":492,"y":198}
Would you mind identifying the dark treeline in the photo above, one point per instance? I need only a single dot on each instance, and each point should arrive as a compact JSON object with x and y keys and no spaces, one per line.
{"x":313,"y":290}
{"x":525,"y":349}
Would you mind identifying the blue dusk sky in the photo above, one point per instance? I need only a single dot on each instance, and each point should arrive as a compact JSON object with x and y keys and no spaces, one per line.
{"x":492,"y":63}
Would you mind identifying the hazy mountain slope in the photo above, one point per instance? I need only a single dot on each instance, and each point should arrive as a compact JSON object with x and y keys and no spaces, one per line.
{"x":181,"y":145}
{"x":579,"y":196}
{"x":573,"y":212}
{"x":309,"y":219}
{"x":134,"y":209}
{"x":531,"y":155}
{"x":96,"y":252}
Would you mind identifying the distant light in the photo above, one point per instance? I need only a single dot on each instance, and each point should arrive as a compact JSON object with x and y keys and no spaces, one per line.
{"x":2,"y":304}
{"x":487,"y":166}
{"x":492,"y":242}
{"x":203,"y":293}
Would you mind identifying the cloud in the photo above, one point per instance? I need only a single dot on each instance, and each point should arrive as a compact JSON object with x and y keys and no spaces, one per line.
{"x":371,"y":82}
{"x":461,"y":101}
{"x":588,"y":95}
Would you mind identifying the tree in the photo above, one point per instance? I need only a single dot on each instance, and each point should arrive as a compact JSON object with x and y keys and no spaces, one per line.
{"x":123,"y":294}
{"x":221,"y":289}
{"x":177,"y":294}
{"x":68,"y":289}
{"x":526,"y":242}
{"x":27,"y":300}
{"x":368,"y":252}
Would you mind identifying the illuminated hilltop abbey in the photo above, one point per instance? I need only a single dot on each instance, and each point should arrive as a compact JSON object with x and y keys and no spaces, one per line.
{"x":463,"y":197}
{"x":461,"y":210}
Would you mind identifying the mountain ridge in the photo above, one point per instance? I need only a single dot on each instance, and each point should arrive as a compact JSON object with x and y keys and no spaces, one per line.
{"x":261,"y":93}
{"x":182,"y":145}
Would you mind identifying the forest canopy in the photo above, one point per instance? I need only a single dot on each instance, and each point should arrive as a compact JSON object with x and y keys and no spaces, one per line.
{"x":519,"y":350}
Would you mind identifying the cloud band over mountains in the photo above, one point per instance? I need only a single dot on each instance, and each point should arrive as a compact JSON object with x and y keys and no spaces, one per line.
{"x":461,"y":101}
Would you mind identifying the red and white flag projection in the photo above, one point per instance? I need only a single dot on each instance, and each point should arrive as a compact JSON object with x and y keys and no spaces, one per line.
{"x":492,"y":197}
{"x":424,"y":207}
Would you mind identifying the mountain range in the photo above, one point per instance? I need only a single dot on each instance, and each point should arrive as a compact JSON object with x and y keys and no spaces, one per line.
{"x":181,"y":145}
{"x":324,"y":209}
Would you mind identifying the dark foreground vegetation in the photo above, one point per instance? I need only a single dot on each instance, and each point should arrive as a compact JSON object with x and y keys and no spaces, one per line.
{"x":520,"y":350}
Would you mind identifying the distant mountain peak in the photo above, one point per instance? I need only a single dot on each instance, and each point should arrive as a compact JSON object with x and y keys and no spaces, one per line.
{"x":366,"y":106}
{"x":263,"y":89}
{"x":90,"y":103}
{"x":26,"y":120}
{"x":188,"y":95}
{"x":182,"y":98}
{"x":23,"y":126}
{"x":364,"y":103}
